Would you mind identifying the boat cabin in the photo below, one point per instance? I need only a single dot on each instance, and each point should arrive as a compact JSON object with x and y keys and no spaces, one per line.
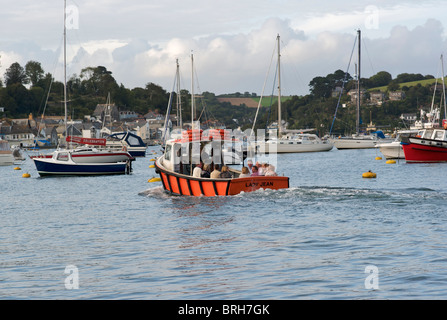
{"x":433,"y":134}
{"x":195,"y":146}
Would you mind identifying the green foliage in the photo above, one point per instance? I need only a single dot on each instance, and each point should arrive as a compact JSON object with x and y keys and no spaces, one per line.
{"x":382,"y":78}
{"x":315,"y":110}
{"x":34,"y":72}
{"x":322,"y":87}
{"x":15,"y":74}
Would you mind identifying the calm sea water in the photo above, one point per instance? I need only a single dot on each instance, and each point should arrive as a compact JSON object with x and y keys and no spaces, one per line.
{"x":130,"y":240}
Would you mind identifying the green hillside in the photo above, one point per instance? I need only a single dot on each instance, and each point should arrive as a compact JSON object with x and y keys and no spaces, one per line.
{"x":267,"y":101}
{"x":410,"y":84}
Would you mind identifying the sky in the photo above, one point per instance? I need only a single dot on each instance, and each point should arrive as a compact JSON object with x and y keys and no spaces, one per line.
{"x":232,"y":41}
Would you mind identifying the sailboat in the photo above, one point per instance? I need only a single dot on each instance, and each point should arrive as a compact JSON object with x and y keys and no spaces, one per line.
{"x":80,"y":161}
{"x":356,"y":141}
{"x":291,"y":141}
{"x":176,"y":165}
{"x":430,"y":143}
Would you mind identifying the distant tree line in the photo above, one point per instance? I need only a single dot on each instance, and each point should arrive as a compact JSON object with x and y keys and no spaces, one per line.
{"x":317,"y":109}
{"x":30,"y":89}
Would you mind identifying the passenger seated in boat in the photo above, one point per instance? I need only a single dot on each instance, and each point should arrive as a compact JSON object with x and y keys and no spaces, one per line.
{"x":245,"y":173}
{"x":250,"y":165}
{"x":254,"y":171}
{"x":225,"y":174}
{"x":206,"y":171}
{"x":262,"y":169}
{"x":216,"y":173}
{"x":270,"y":171}
{"x":197,"y":173}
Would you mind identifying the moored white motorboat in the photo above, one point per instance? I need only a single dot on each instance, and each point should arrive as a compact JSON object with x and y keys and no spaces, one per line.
{"x":129,"y":141}
{"x":394,"y":149}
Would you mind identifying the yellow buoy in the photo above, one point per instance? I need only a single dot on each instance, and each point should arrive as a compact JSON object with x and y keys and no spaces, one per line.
{"x":152,"y":160}
{"x":154,"y":180}
{"x":17,"y":168}
{"x":151,"y":166}
{"x":26,"y":175}
{"x":369,"y":175}
{"x":391,"y":161}
{"x":378,"y":158}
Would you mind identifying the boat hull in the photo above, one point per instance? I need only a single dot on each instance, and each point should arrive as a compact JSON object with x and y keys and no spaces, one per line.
{"x":183,"y":185}
{"x":293,"y":148}
{"x":392,"y":150}
{"x":93,"y":157}
{"x":346,"y":143}
{"x":137,"y":152}
{"x":47,"y":167}
{"x":425,"y":150}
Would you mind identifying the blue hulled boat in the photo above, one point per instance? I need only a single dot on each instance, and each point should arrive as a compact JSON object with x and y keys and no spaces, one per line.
{"x":62,"y":164}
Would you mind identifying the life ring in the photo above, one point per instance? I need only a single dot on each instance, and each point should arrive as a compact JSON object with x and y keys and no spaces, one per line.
{"x":445,"y":125}
{"x":124,"y":148}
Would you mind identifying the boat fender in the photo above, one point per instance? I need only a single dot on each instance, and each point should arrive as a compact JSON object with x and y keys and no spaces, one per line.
{"x":391,"y":161}
{"x":369,"y":175}
{"x":128,"y":167}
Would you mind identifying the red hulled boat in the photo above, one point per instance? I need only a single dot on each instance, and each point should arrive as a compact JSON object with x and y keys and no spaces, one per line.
{"x":428,"y":145}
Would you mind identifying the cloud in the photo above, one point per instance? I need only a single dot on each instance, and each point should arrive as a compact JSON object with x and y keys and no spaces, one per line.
{"x":232,"y":46}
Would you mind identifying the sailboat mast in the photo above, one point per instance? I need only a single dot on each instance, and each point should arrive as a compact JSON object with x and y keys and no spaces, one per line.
{"x":279,"y":89}
{"x":179,"y":98}
{"x":192,"y":92}
{"x":357,"y":123}
{"x":443,"y":86}
{"x":65,"y":66}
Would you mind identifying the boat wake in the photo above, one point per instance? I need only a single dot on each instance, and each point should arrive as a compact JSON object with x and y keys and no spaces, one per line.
{"x":156,"y":192}
{"x":309,"y":194}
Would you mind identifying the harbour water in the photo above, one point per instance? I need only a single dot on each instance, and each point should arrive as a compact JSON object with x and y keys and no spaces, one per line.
{"x":332,"y":235}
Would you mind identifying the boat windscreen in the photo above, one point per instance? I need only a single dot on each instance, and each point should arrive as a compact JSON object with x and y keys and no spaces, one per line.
{"x":134,"y":141}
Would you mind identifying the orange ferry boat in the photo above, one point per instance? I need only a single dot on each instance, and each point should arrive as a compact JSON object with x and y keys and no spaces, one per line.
{"x":177,"y":178}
